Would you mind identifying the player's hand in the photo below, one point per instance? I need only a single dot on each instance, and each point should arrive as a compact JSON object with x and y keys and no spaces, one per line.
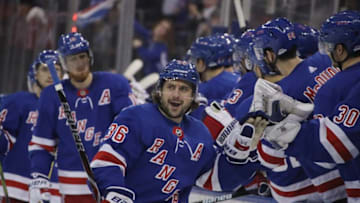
{"x":139,"y":92}
{"x":238,"y":144}
{"x":259,"y":123}
{"x":114,"y":197}
{"x":38,"y":190}
{"x":269,"y":98}
{"x":262,"y":90}
{"x":137,"y":43}
{"x":283,"y":133}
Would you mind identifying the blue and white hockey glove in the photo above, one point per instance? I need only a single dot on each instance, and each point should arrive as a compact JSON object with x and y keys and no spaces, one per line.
{"x":244,"y":139}
{"x":283,"y":133}
{"x":219,"y":122}
{"x":119,"y":195}
{"x":268,"y":97}
{"x":38,"y":189}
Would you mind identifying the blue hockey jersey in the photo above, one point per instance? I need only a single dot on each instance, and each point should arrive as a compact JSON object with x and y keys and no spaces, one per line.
{"x":94,"y":109}
{"x":18,"y":117}
{"x":216,"y":89}
{"x":288,"y":181}
{"x":335,"y":134}
{"x":242,"y":90}
{"x":157,"y":160}
{"x":302,"y":84}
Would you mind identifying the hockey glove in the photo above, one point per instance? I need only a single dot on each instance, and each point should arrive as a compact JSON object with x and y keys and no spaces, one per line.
{"x":38,"y":189}
{"x":276,"y":104}
{"x":118,"y":196}
{"x":219,"y":122}
{"x":243,"y":139}
{"x":139,"y":92}
{"x":283,"y":133}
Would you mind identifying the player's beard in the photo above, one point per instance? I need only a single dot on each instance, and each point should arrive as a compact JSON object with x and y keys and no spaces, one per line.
{"x":79,"y":77}
{"x":165,"y":108}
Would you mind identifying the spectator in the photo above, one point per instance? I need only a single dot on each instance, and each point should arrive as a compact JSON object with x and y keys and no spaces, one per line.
{"x":153,"y":47}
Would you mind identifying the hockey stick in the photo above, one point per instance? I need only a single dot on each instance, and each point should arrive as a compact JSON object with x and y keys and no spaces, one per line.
{"x":3,"y":183}
{"x":134,"y":67}
{"x":240,"y":13}
{"x":149,"y":80}
{"x":72,"y":125}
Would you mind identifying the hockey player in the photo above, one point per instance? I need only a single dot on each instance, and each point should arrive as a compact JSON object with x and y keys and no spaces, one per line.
{"x":245,"y":87}
{"x":333,"y":138}
{"x":275,"y":51}
{"x":269,"y":47}
{"x":18,"y":116}
{"x":210,"y":55}
{"x":156,"y":152}
{"x":95,"y":98}
{"x":307,"y":40}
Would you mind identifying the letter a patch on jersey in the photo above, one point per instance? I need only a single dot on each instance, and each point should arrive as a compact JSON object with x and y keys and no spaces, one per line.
{"x":105,"y":97}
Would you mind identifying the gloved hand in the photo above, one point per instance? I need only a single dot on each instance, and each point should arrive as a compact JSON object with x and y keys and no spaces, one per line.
{"x":262,"y":89}
{"x":283,"y":133}
{"x":139,"y":92}
{"x":219,"y":122}
{"x":38,"y":189}
{"x":268,"y":97}
{"x":115,"y":196}
{"x":243,"y":139}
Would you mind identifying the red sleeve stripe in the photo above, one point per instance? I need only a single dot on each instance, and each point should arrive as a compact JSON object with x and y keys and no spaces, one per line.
{"x":54,"y":192}
{"x":268,"y":158}
{"x":15,"y":184}
{"x":70,"y":180}
{"x":103,"y":158}
{"x":106,"y":156}
{"x":329,"y":185}
{"x":336,"y":142}
{"x":33,"y":145}
{"x":208,"y":184}
{"x":338,"y":145}
{"x":353,"y":193}
{"x":302,"y":191}
{"x":213,"y":125}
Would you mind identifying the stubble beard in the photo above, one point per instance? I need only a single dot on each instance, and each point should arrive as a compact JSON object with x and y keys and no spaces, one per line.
{"x":166,"y":109}
{"x":81,"y":77}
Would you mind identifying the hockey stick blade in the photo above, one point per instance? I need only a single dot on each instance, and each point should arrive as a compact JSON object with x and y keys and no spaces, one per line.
{"x":224,"y":197}
{"x":72,"y":125}
{"x":149,"y":80}
{"x":134,"y":67}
